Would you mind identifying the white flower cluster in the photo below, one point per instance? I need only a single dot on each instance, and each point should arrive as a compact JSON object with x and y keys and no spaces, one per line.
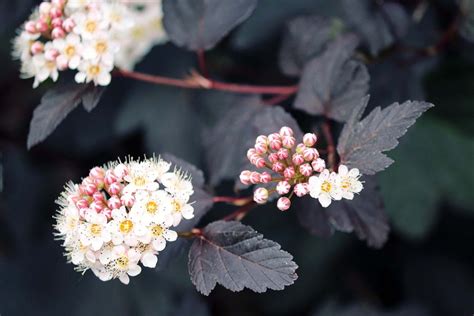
{"x":328,"y":186}
{"x":122,"y":214}
{"x":89,"y":36}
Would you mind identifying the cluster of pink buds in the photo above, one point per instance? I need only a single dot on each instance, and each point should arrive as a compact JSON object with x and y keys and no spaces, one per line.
{"x":50,"y":21}
{"x":296,"y":169}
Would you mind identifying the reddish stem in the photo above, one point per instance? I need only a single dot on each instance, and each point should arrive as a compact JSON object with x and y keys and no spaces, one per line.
{"x":197,"y":81}
{"x":202,"y":62}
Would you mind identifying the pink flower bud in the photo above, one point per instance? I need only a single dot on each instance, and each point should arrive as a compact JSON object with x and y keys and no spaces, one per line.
{"x":283,"y":187}
{"x":309,"y":139}
{"x":97,"y":172}
{"x":73,"y":198}
{"x":254,"y":177}
{"x":315,"y":153}
{"x":82,"y":203}
{"x":274,"y":136}
{"x":308,"y":154}
{"x":41,"y":26}
{"x":282,"y":153}
{"x":260,"y":195}
{"x":107,"y":212}
{"x":318,"y":165}
{"x":110,"y":177}
{"x":297,"y":159}
{"x":51,"y":54}
{"x":275,"y":144}
{"x":30,"y":27}
{"x":251,"y":152}
{"x":44,"y":8}
{"x":265,"y":177}
{"x":37,"y":47}
{"x":58,"y":32}
{"x":288,"y":141}
{"x":115,"y":188}
{"x":259,"y":162}
{"x":306,"y":170}
{"x":68,"y":25}
{"x":273,"y":157}
{"x":55,"y":12}
{"x":301,"y":189}
{"x":128,"y":200}
{"x":57,"y":22}
{"x":278,"y":167}
{"x":120,"y":171}
{"x":97,"y":206}
{"x":114,"y":202}
{"x":283,"y":203}
{"x":98,"y":196}
{"x":261,"y":148}
{"x":245,"y":177}
{"x":90,"y":188}
{"x":300,"y":148}
{"x":286,"y":131}
{"x":289,"y":172}
{"x":262,"y":139}
{"x":58,"y":3}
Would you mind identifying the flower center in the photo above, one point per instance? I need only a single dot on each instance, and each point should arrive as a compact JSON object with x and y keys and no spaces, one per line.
{"x":138,"y":33}
{"x":176,"y":206}
{"x":151,"y":207}
{"x":94,"y":70}
{"x":346,"y":184}
{"x":70,"y":51}
{"x":157,"y":230}
{"x":122,"y":262}
{"x":126,"y":226}
{"x":139,"y":181}
{"x":95,"y":229}
{"x":91,"y":26}
{"x":101,"y":47}
{"x":326,"y":186}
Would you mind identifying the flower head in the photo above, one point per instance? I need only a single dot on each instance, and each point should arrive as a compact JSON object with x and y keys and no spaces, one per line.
{"x":120,"y":215}
{"x":92,"y":37}
{"x":296,"y":169}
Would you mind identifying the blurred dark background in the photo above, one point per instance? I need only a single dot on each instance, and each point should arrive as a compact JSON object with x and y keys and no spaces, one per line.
{"x":425,"y":268}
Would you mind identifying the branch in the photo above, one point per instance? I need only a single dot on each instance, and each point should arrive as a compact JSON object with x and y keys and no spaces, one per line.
{"x":196,"y":81}
{"x":331,"y":149}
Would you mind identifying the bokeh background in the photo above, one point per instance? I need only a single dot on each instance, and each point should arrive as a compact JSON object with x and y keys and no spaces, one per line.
{"x":425,"y":268}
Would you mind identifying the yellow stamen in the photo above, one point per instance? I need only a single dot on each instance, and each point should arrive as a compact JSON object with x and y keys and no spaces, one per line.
{"x":122,"y":262}
{"x":151,"y":207}
{"x":70,"y":51}
{"x":94,"y":70}
{"x":157,"y":230}
{"x":91,"y":26}
{"x":326,"y":186}
{"x":95,"y":229}
{"x":126,"y":226}
{"x":139,"y":181}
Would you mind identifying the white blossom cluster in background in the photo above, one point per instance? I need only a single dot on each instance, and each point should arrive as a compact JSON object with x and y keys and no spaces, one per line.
{"x":122,"y":214}
{"x":88,"y":36}
{"x":296,"y":169}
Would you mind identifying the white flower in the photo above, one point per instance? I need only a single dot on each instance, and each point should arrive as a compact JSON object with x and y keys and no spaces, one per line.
{"x":70,"y":51}
{"x":94,"y":232}
{"x":141,"y":176}
{"x":177,"y":184}
{"x":181,"y":209}
{"x":349,"y":181}
{"x":325,"y":187}
{"x":153,"y":206}
{"x":125,"y":263}
{"x":80,"y":253}
{"x":89,"y":25}
{"x":94,"y":70}
{"x":44,"y":69}
{"x":124,"y":229}
{"x":68,"y":223}
{"x":158,"y":234}
{"x":101,"y":47}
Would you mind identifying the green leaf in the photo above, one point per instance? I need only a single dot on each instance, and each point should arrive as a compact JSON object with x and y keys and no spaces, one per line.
{"x":433,"y":164}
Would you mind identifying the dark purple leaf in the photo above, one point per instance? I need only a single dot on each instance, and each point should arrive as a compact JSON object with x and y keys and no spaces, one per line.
{"x":364,"y":216}
{"x":362,"y":143}
{"x":200,"y":24}
{"x":332,"y":84}
{"x":56,"y":104}
{"x":227,"y":143}
{"x":378,"y":25}
{"x":304,"y":38}
{"x":237,"y":257}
